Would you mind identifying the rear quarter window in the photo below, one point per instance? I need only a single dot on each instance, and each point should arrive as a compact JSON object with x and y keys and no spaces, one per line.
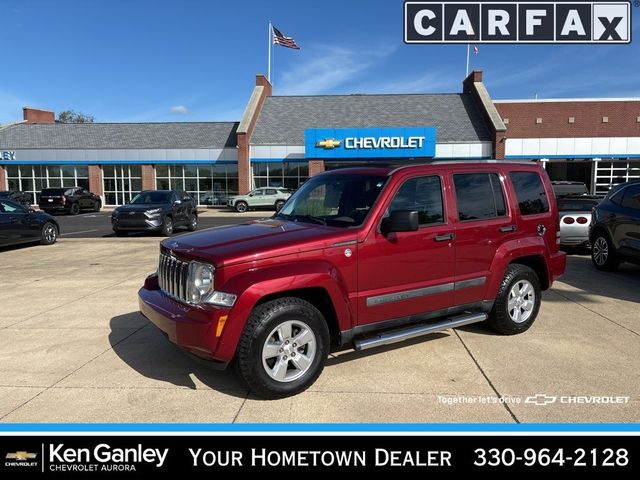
{"x":532,"y":197}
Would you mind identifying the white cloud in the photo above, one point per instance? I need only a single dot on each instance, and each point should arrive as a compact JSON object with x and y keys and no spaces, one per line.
{"x":325,"y":68}
{"x":180,"y":110}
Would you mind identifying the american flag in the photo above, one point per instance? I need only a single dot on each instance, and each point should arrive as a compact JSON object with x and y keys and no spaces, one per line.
{"x":280,"y":39}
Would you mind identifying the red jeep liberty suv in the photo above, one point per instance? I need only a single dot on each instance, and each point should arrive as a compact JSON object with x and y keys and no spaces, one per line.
{"x":363,"y":257}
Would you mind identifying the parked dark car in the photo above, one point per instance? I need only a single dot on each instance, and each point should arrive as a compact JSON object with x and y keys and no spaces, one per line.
{"x":22,"y":198}
{"x":19,"y":224}
{"x":563,"y":188}
{"x":71,"y":200}
{"x":156,"y":211}
{"x":615,"y":227}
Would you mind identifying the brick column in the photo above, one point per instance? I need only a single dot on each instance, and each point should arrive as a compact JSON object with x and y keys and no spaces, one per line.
{"x":3,"y":178}
{"x":316,"y":167}
{"x":148,"y":177}
{"x":498,"y":145}
{"x":95,"y":180}
{"x":244,"y":164}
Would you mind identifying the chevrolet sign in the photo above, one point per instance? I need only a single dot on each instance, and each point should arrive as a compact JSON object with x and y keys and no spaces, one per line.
{"x":392,"y":142}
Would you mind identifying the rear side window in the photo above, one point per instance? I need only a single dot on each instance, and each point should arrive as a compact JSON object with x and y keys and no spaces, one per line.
{"x":479,"y":196}
{"x":532,"y":198}
{"x":631,"y":197}
{"x":422,"y":194}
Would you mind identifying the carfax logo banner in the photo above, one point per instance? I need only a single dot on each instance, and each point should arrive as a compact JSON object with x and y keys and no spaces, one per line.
{"x":517,"y":22}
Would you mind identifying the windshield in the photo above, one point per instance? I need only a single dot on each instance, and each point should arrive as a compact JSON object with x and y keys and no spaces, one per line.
{"x":150,"y":198}
{"x":334,"y":200}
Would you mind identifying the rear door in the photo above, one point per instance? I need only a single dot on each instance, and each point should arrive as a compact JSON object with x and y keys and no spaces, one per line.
{"x":484,"y":222}
{"x":627,"y":231}
{"x":257,"y":198}
{"x":408,"y":273}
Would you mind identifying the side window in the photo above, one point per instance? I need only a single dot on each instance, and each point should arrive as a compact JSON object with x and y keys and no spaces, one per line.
{"x":270,"y":191}
{"x":423,"y":194}
{"x":631,"y":197}
{"x":532,"y":198}
{"x":479,"y":196}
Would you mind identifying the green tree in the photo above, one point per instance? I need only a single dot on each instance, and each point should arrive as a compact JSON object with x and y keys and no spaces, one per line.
{"x":71,"y":116}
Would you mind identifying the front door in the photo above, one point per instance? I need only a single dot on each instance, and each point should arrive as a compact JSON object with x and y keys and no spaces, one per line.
{"x":404,"y":274}
{"x":627,"y":230}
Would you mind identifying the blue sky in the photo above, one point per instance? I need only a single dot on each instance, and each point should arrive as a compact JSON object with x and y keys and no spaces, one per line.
{"x":188,"y":60}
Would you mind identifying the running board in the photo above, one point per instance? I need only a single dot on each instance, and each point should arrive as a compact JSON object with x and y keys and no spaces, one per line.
{"x":401,"y":334}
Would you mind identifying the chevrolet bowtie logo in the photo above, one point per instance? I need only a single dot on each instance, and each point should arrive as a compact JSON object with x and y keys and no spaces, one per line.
{"x":22,"y":456}
{"x":329,"y":143}
{"x":541,"y":399}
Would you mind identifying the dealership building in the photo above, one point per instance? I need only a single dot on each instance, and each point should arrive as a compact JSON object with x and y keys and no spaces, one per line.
{"x":280,"y":141}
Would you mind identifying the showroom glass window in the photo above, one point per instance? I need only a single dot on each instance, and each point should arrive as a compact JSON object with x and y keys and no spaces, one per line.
{"x":280,"y":175}
{"x":209,"y":184}
{"x":121,"y":183}
{"x":33,"y":178}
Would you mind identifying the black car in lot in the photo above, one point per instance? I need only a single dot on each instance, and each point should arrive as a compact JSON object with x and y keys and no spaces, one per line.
{"x":71,"y":200}
{"x":156,"y":211}
{"x":17,"y":196}
{"x":19,"y":224}
{"x":615,"y":227}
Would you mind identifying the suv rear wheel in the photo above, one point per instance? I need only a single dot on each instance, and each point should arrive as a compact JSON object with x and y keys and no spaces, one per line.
{"x":283,"y":348}
{"x":74,"y":209}
{"x":518,"y":301}
{"x":603,"y":255}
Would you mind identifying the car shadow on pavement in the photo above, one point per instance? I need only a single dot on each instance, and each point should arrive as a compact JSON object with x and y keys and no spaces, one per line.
{"x":150,"y":353}
{"x":345,"y":353}
{"x":623,"y":284}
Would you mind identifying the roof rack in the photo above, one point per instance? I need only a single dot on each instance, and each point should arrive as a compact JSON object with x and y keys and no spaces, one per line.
{"x":455,"y":161}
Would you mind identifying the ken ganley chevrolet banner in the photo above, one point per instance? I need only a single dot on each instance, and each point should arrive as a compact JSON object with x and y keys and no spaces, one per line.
{"x":517,"y":22}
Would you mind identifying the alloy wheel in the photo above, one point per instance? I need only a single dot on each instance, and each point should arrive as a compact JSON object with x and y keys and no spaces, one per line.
{"x":289,"y":351}
{"x":522,"y":300}
{"x":600,"y":251}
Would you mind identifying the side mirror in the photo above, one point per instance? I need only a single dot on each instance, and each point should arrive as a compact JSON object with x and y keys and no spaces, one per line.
{"x":176,"y":203}
{"x":251,"y":194}
{"x":400,"y":221}
{"x":31,"y":210}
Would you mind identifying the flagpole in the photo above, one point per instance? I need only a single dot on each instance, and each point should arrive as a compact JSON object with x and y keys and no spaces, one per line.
{"x":269,"y":57}
{"x":468,"y":47}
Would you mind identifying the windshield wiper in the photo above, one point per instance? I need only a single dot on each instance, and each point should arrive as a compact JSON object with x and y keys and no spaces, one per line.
{"x":318,"y":220}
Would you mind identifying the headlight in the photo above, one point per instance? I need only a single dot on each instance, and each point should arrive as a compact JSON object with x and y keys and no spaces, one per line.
{"x":153,"y":213}
{"x":200,"y":281}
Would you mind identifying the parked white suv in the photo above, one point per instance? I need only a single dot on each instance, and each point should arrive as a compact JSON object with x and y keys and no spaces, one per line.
{"x":268,"y":197}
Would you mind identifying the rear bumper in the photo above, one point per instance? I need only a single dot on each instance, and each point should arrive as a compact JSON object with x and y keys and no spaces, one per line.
{"x":49,"y":207}
{"x":557,"y":266}
{"x":191,"y":328}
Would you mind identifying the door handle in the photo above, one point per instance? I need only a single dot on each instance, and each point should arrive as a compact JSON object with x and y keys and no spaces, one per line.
{"x":14,"y":220}
{"x":444,"y":238}
{"x":509,"y":228}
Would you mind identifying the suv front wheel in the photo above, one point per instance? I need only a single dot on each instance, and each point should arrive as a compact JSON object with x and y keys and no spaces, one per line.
{"x":518,"y":301}
{"x":283,"y":348}
{"x":603,"y":255}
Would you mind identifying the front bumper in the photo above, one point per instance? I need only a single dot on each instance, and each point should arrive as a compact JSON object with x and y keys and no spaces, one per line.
{"x":136,"y":225}
{"x":191,"y":328}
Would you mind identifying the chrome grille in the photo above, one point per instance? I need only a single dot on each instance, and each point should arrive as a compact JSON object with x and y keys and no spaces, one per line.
{"x":173,"y":276}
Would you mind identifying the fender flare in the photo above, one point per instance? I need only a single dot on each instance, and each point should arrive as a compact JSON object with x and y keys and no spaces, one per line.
{"x":277,"y":279}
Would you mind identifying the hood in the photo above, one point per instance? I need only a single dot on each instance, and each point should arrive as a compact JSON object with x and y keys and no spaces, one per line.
{"x":254,"y":241}
{"x":139,"y":208}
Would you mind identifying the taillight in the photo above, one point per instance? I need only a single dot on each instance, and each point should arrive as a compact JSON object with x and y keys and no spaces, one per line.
{"x":568,"y":220}
{"x":582,"y":220}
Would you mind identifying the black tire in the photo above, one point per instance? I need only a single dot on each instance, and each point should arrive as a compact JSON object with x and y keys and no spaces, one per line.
{"x":242,"y":207}
{"x":120,"y":233}
{"x":279,"y":205}
{"x":603,"y":255}
{"x":48,"y":234}
{"x":500,"y":318}
{"x":74,"y":209}
{"x":261,"y":323}
{"x":192,"y":226}
{"x":167,"y":226}
{"x":97,"y":206}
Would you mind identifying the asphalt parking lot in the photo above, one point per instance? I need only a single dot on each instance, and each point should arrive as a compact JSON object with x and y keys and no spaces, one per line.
{"x":98,"y":225}
{"x":73,"y":348}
